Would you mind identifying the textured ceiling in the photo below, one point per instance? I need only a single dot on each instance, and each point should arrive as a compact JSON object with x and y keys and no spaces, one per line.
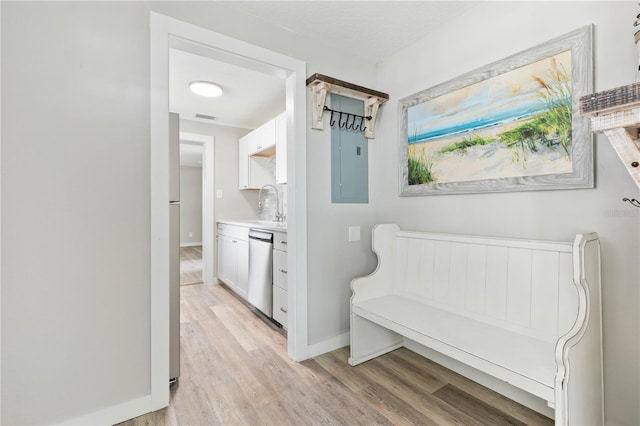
{"x":373,"y":30}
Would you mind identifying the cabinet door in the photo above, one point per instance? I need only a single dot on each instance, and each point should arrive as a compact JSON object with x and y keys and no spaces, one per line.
{"x":280,"y":307}
{"x":222,"y":269}
{"x":228,"y":261}
{"x":281,"y":148}
{"x":268,"y":135}
{"x":243,"y":163}
{"x":255,"y":141}
{"x":280,"y":269}
{"x":242,"y":268}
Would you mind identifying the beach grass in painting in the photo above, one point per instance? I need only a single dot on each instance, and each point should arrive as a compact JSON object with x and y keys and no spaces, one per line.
{"x":515,"y":124}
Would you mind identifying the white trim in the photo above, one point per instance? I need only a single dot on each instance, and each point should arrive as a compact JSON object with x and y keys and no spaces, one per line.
{"x":163,"y":31}
{"x":190,"y":244}
{"x":0,"y":205}
{"x":329,"y":345}
{"x":159,"y":199}
{"x":113,"y":414}
{"x":208,"y":203}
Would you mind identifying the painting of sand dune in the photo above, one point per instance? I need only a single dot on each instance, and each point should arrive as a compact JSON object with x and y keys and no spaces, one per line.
{"x":514,"y":124}
{"x":507,"y":126}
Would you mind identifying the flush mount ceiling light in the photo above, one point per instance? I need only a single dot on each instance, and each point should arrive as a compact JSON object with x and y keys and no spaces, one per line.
{"x":205,"y":88}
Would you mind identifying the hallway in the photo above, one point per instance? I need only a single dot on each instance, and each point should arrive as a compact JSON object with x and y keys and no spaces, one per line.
{"x":190,"y":265}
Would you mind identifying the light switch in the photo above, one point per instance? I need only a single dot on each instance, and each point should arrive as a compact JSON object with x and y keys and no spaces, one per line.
{"x":354,"y":233}
{"x":218,"y":193}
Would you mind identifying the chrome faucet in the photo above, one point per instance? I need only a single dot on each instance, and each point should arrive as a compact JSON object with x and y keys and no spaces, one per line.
{"x":278,"y":214}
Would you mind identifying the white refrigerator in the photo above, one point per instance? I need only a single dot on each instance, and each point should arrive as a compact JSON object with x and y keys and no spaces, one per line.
{"x":174,"y":247}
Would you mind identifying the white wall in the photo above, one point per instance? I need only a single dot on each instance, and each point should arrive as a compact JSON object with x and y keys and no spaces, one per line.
{"x":190,"y":205}
{"x":489,"y":32}
{"x":75,"y":210}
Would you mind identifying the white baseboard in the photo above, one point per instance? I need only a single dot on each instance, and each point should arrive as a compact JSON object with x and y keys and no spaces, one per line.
{"x":484,"y":379}
{"x":190,"y":244}
{"x":115,"y":414}
{"x":329,"y":345}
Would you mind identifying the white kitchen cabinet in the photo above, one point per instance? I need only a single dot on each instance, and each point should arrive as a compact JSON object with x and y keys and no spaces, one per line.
{"x":254,"y":143}
{"x":262,"y":141}
{"x":280,"y":307}
{"x":281,"y":148}
{"x":256,"y":150}
{"x":233,"y":257}
{"x":253,"y":172}
{"x":242,"y":283}
{"x":280,"y":278}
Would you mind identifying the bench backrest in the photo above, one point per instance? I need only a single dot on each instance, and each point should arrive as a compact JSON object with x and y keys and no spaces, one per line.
{"x":523,"y":286}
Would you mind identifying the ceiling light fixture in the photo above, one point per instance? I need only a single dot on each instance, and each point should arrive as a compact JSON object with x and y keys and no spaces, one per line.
{"x":205,"y":88}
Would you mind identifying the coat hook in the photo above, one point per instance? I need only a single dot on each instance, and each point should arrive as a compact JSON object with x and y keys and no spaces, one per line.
{"x":340,"y":123}
{"x":632,"y":201}
{"x":357,"y":127}
{"x":332,"y":122}
{"x":351,"y":126}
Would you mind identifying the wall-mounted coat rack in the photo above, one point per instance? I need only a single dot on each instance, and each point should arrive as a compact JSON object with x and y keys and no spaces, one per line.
{"x":321,"y":85}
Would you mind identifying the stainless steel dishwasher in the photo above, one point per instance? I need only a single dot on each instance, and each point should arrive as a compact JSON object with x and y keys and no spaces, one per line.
{"x":260,"y":291}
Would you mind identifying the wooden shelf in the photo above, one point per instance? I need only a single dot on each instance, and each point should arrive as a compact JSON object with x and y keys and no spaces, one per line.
{"x":322,"y":84}
{"x":616,"y":113}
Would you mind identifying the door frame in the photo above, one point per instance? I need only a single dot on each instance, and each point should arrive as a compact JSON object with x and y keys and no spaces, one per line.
{"x":166,"y":32}
{"x":208,"y":201}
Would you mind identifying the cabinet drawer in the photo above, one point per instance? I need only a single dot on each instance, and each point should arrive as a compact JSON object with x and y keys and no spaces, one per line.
{"x":280,"y":241}
{"x":280,"y":306}
{"x":234,"y":231}
{"x":280,"y":269}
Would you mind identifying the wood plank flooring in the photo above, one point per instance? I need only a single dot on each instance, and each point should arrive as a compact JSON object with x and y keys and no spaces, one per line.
{"x":235,"y":371}
{"x":190,"y":265}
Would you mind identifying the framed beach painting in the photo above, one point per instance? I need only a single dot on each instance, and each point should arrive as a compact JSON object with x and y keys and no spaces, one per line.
{"x":510,"y":126}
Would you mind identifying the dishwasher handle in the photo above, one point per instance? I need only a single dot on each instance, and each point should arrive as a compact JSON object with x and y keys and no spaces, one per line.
{"x":256,"y":234}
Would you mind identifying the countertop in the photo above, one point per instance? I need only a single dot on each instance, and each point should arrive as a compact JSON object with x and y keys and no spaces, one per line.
{"x":261,"y":224}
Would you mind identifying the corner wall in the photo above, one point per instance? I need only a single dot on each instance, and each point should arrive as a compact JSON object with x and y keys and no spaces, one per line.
{"x":489,"y":32}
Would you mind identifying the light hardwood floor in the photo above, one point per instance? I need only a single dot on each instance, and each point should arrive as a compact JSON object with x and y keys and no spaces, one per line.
{"x":235,"y":371}
{"x":190,"y":265}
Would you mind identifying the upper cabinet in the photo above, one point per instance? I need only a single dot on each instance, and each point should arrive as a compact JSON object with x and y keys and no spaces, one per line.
{"x":262,"y":141}
{"x":256,"y":151}
{"x":281,"y":148}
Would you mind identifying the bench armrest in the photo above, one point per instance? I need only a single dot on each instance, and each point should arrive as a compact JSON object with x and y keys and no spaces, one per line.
{"x":579,"y":352}
{"x":380,"y":281}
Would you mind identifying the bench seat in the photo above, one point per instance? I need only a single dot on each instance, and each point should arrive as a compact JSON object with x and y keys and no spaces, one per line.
{"x":526,"y":312}
{"x":508,"y":355}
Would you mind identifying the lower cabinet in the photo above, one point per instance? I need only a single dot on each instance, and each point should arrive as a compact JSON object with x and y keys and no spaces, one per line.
{"x":233,"y":257}
{"x":280,"y":281}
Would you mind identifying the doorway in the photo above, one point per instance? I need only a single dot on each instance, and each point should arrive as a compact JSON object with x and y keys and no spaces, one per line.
{"x":206,"y":145}
{"x":169,"y":33}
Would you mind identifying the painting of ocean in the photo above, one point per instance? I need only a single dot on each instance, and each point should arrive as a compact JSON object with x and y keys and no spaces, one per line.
{"x":514,"y":124}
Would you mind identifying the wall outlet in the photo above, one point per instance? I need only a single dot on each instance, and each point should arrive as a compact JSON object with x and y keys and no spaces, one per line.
{"x":354,"y":233}
{"x":218,"y":193}
{"x":190,"y":234}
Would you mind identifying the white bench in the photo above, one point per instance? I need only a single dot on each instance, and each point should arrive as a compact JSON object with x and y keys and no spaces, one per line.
{"x":526,"y":312}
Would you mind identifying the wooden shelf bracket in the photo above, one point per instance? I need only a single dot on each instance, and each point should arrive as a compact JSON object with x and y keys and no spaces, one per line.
{"x":321,"y":85}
